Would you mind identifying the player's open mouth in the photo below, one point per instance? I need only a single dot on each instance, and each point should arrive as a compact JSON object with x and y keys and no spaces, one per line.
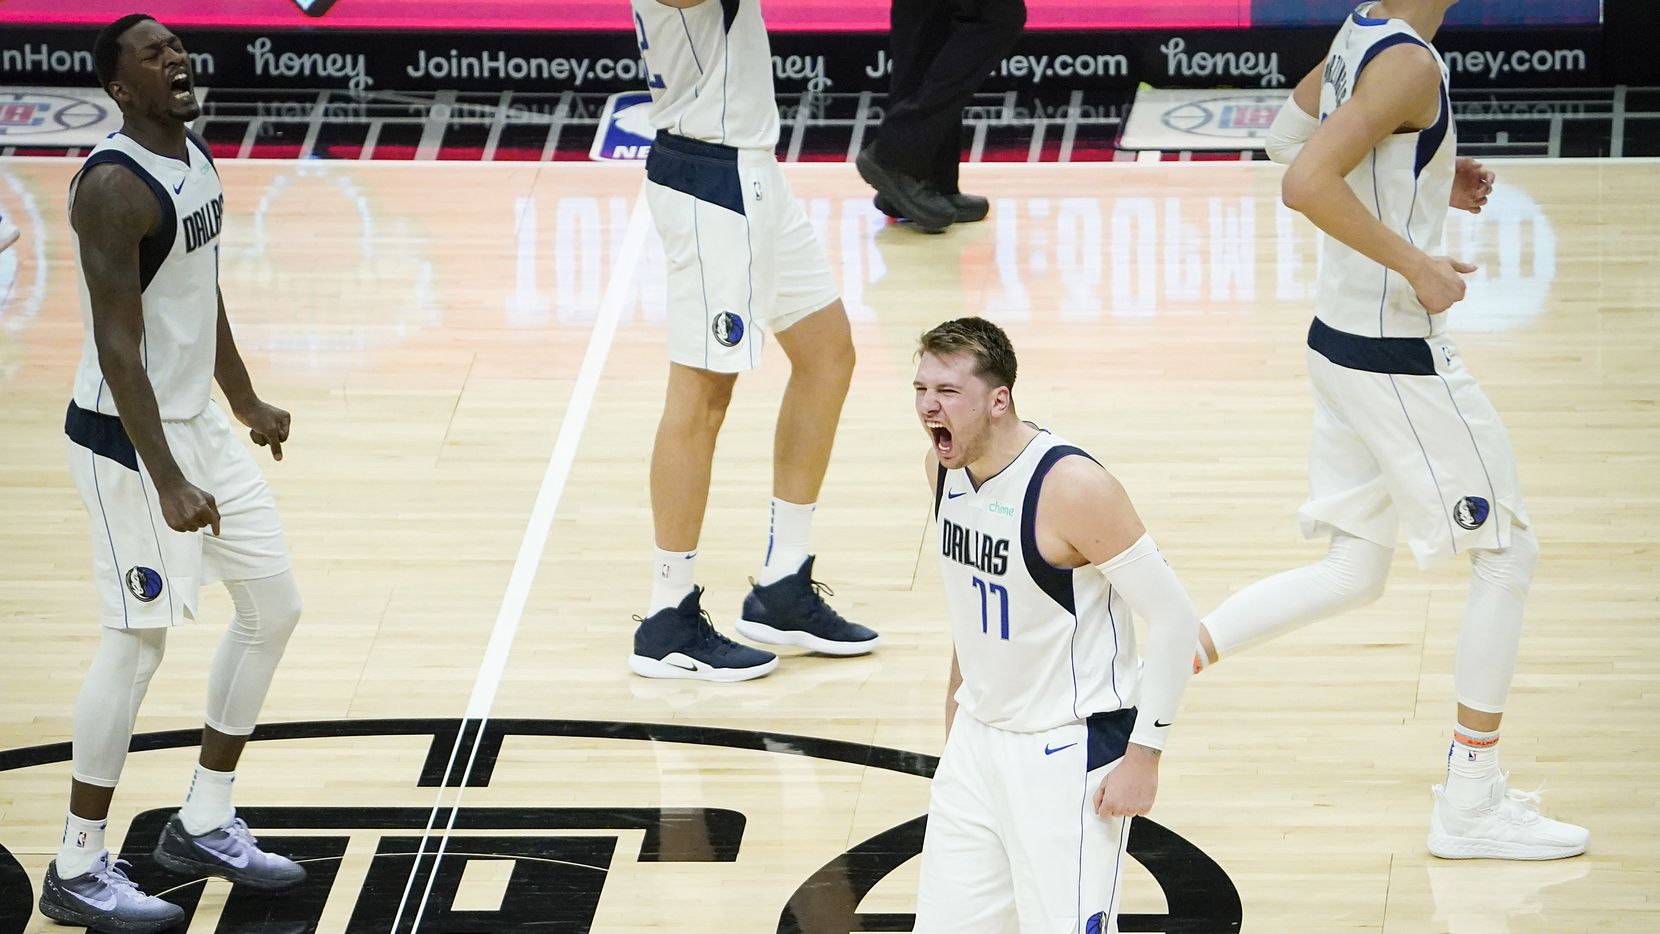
{"x":181,"y":87}
{"x":942,"y":437}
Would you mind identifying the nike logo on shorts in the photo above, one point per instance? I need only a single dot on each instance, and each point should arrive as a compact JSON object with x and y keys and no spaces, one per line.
{"x":1049,"y":752}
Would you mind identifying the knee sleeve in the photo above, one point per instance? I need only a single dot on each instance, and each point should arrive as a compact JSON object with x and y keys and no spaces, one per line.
{"x":266,"y":613}
{"x":1355,"y":571}
{"x":1492,"y":633}
{"x":106,"y":709}
{"x":1352,"y":573}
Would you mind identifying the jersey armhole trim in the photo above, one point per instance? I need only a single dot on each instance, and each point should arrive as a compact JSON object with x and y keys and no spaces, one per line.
{"x":1056,"y":582}
{"x":939,"y":488}
{"x":156,"y":245}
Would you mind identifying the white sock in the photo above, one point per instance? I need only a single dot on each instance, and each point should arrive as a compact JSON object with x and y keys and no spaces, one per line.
{"x":672,"y":575}
{"x":208,"y":805}
{"x":1472,"y":766}
{"x":83,"y":840}
{"x":789,"y":542}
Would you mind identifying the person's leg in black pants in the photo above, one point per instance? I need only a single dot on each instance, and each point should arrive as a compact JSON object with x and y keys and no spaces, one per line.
{"x":921,"y":136}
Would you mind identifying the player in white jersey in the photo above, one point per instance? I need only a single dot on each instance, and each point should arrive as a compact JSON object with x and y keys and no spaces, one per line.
{"x":157,"y":464}
{"x":742,"y":257}
{"x":1054,"y":734}
{"x":1403,"y":435}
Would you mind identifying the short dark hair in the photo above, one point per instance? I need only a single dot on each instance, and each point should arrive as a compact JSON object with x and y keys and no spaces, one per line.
{"x":106,"y":52}
{"x":993,"y":354}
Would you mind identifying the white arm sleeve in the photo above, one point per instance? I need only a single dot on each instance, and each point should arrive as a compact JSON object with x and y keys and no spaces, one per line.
{"x":1292,"y":128}
{"x":1151,"y":589}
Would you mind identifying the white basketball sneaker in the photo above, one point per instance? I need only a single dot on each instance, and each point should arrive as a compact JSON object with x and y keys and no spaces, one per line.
{"x":1507,"y":825}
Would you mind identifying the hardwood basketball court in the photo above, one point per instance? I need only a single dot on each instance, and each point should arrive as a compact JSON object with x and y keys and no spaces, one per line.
{"x":473,"y":357}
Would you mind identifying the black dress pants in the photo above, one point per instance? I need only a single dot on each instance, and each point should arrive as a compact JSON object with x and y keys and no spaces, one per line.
{"x":942,"y":50}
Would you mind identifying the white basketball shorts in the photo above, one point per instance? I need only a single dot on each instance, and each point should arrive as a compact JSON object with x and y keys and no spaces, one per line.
{"x":1013,"y":843}
{"x":1403,"y":435}
{"x":145,"y":573}
{"x":741,"y":253}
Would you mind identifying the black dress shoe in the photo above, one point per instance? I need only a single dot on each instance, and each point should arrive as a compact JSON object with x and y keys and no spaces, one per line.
{"x":969,"y":208}
{"x":916,"y":200}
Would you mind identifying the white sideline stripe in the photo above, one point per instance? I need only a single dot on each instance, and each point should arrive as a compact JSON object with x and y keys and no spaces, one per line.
{"x":535,"y":538}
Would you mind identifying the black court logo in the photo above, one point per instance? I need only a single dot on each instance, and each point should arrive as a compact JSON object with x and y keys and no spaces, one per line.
{"x":1471,"y":512}
{"x":561,"y":856}
{"x":143,"y":583}
{"x":728,"y":328}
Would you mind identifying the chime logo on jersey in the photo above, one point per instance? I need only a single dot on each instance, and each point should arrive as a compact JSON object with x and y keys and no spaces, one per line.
{"x":1471,"y":512}
{"x":968,"y":546}
{"x":728,"y":328}
{"x":203,"y":224}
{"x":144,"y":583}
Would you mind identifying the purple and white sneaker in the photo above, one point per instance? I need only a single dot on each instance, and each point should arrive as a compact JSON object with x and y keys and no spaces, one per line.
{"x":104,"y":899}
{"x":229,"y":852}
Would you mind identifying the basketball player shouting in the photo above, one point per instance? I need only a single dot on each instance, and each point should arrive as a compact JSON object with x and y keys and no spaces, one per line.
{"x":1403,"y":435}
{"x":741,"y":256}
{"x":157,"y":463}
{"x":1054,"y":735}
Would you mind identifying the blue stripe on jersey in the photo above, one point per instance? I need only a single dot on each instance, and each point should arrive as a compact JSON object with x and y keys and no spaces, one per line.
{"x":939,"y":489}
{"x":728,"y":13}
{"x":1056,"y":582}
{"x":1408,"y":356}
{"x":1431,"y":137}
{"x":1399,"y":38}
{"x":1367,"y":20}
{"x":115,"y":559}
{"x":1429,"y":465}
{"x":156,"y":245}
{"x":706,"y":171}
{"x":101,"y":434}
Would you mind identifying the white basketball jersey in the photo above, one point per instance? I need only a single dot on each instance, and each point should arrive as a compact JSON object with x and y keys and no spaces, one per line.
{"x":1038,"y":646}
{"x":1406,"y":181}
{"x":710,"y":71}
{"x":178,"y":277}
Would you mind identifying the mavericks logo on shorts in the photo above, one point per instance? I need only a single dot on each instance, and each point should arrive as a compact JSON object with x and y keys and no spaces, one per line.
{"x":1471,"y":512}
{"x":144,"y":583}
{"x":728,"y":328}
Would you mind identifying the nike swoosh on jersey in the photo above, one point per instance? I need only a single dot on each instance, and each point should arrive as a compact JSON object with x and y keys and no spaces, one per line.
{"x":1049,"y":752}
{"x":955,"y":494}
{"x":235,"y":860}
{"x":180,"y":186}
{"x":1163,"y":723}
